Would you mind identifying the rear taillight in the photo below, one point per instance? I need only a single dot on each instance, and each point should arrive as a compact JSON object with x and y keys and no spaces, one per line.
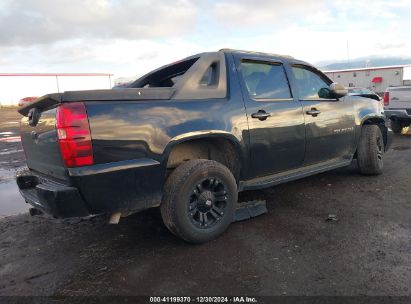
{"x":73,"y":132}
{"x":386,"y":98}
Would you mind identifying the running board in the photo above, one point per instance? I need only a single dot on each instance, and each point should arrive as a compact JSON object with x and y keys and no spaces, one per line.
{"x":279,"y":178}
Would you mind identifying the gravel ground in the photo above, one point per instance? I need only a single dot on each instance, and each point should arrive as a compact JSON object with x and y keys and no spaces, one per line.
{"x":292,"y":250}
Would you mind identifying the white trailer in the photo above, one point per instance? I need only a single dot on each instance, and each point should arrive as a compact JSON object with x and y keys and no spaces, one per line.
{"x":15,"y":86}
{"x":373,"y":78}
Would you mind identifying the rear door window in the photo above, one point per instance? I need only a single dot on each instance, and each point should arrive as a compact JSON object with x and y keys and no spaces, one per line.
{"x":165,"y":77}
{"x":265,"y":80}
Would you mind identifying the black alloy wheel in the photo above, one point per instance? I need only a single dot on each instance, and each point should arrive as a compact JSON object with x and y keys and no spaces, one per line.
{"x":207,"y":203}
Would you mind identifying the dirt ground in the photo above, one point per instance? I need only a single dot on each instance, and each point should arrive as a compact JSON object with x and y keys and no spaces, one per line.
{"x":292,"y":250}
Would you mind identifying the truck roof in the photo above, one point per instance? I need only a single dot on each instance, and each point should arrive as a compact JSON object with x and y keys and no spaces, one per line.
{"x":228,"y":50}
{"x":288,"y":58}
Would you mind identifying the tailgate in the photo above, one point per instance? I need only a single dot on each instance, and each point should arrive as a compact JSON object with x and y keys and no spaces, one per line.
{"x":400,"y":98}
{"x":40,"y":143}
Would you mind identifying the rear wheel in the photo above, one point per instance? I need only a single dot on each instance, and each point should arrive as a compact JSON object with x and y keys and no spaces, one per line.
{"x":370,"y":152}
{"x":405,"y":129}
{"x":396,"y":126}
{"x":199,"y":200}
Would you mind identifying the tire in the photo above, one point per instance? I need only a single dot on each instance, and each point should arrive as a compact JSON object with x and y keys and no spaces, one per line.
{"x":370,"y":152}
{"x":199,"y":200}
{"x":396,"y":126}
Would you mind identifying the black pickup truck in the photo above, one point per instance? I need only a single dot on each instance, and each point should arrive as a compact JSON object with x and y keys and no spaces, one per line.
{"x":187,"y":137}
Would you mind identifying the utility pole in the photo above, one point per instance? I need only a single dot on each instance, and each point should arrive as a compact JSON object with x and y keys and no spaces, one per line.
{"x":57,"y":82}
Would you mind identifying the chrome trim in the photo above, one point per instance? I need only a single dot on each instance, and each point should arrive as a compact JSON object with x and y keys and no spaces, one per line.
{"x":111,"y":167}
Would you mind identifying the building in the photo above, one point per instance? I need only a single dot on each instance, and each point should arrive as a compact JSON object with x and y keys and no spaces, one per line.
{"x":15,"y":86}
{"x":376,"y":78}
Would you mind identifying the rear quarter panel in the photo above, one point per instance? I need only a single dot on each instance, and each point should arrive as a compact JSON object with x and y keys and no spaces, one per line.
{"x":130,"y":130}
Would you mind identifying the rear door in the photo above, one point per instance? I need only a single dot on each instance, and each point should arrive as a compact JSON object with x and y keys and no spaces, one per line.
{"x":329,"y":122}
{"x":400,"y":98}
{"x":275,"y":119}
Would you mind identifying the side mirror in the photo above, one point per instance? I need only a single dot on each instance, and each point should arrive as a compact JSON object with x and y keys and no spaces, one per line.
{"x":338,"y":90}
{"x":325,"y":93}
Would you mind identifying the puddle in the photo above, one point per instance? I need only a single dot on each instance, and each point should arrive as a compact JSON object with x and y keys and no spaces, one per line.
{"x":9,"y":162}
{"x":11,"y":139}
{"x":11,"y":202}
{"x":8,"y":174}
{"x":10,"y":152}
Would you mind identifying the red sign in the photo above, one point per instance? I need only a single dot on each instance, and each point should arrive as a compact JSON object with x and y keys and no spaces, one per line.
{"x":377,"y":79}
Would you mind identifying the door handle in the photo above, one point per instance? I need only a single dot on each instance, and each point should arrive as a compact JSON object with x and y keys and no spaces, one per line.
{"x":261,"y":115}
{"x":313,"y":112}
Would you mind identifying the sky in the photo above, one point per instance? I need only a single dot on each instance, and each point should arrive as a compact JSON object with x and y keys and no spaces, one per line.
{"x":129,"y":38}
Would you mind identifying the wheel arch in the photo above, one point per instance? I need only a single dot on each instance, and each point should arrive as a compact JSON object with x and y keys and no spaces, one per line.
{"x":223,"y":147}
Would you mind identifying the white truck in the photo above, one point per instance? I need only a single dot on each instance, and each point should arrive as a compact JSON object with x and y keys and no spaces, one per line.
{"x":397,"y":107}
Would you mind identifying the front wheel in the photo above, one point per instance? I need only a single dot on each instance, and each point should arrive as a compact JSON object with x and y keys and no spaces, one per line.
{"x":370,"y":152}
{"x":199,"y":200}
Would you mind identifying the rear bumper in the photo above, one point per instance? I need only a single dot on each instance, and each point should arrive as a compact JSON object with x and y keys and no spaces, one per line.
{"x":51,"y":197}
{"x":125,"y":186}
{"x":398,"y":113}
